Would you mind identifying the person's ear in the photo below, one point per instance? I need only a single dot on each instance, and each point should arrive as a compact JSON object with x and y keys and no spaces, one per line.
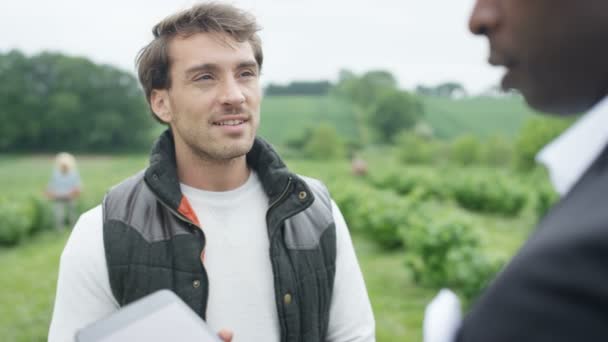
{"x":159,"y":102}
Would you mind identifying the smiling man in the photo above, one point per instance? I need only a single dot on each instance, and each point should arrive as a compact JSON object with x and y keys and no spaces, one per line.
{"x":554,"y":289}
{"x":216,"y":217}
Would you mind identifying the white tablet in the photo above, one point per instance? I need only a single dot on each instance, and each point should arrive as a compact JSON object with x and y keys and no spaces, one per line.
{"x":160,"y":316}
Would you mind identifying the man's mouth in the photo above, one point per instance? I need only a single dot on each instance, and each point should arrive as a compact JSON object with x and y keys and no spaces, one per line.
{"x":231,"y":120}
{"x":496,"y":59}
{"x":229,"y":123}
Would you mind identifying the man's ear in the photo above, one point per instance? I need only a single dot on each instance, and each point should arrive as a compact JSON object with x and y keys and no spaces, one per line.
{"x":159,"y":102}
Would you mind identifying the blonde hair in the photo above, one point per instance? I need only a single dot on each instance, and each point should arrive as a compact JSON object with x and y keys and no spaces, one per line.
{"x":66,"y":159}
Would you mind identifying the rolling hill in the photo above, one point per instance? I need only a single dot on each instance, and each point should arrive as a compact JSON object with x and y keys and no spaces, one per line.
{"x":287,"y":116}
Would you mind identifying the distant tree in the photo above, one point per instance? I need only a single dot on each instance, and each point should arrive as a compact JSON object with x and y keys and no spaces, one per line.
{"x":22,"y":99}
{"x":345,"y":74}
{"x":379,"y":104}
{"x":54,"y":102}
{"x":394,"y":112}
{"x":447,"y":89}
{"x":496,"y":91}
{"x":364,"y":91}
{"x":425,"y":90}
{"x":451,"y":90}
{"x":380,"y":78}
{"x":307,"y":88}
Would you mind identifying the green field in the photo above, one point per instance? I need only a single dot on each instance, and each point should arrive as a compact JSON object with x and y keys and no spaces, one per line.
{"x":481,"y":117}
{"x":286,"y":116}
{"x":30,"y":269}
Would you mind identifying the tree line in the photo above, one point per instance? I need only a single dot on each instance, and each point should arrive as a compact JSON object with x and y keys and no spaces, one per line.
{"x":51,"y":102}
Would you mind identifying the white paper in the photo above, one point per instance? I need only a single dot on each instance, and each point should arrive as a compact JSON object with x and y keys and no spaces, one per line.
{"x":442,"y":317}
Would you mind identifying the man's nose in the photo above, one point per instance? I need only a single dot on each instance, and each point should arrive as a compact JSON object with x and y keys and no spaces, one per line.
{"x":232,"y":94}
{"x":484,"y":17}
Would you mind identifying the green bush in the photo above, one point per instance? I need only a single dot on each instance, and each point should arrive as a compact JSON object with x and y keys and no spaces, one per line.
{"x":489,"y":193}
{"x":416,"y":149}
{"x":535,"y":134}
{"x":375,"y":213}
{"x":324,"y":143}
{"x":43,"y":216}
{"x":497,"y":151}
{"x":469,"y":150}
{"x":349,"y":196}
{"x":20,"y":218}
{"x":430,"y":241}
{"x":477,"y":189}
{"x":546,"y":198}
{"x":15,"y":221}
{"x":382,"y":217}
{"x":443,"y":250}
{"x":426,"y":182}
{"x":466,"y":150}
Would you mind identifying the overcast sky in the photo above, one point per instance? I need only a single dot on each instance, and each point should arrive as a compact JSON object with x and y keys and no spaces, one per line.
{"x":420,"y":41}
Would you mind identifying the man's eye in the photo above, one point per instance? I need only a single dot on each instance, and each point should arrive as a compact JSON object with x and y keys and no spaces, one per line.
{"x":248,"y":73}
{"x":204,"y":77}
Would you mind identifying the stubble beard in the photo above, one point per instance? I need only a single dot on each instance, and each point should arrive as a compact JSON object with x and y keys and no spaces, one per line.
{"x":218,"y":153}
{"x":217,"y":150}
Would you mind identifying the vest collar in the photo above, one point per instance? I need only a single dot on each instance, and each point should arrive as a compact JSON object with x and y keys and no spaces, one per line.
{"x":161,"y":175}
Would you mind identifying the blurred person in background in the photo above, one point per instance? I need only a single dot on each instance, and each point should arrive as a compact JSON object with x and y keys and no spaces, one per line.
{"x":216,"y":217}
{"x":554,"y":289}
{"x":64,"y":189}
{"x":358,"y":165}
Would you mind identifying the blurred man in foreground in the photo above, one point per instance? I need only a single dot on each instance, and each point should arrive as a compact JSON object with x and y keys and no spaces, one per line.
{"x":554,"y":289}
{"x":216,"y":217}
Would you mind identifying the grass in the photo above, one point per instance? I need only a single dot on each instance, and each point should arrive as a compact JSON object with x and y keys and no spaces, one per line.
{"x":29,"y":272}
{"x":398,"y":305}
{"x":22,"y":177}
{"x":285,"y":117}
{"x":482,"y":117}
{"x":28,"y":281}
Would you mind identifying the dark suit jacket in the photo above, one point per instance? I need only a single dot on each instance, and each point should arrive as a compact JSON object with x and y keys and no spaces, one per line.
{"x":556,"y":287}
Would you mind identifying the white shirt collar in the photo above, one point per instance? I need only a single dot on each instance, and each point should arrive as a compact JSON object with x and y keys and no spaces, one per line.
{"x":572,"y":153}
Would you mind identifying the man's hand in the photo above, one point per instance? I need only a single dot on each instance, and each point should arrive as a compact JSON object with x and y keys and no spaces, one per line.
{"x":74,"y":194}
{"x":225,"y":335}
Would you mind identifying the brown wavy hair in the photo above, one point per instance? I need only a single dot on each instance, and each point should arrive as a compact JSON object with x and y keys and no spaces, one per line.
{"x":153,"y":61}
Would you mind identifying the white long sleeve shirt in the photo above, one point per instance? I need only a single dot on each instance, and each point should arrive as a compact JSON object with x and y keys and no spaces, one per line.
{"x":241,"y":287}
{"x":572,"y":153}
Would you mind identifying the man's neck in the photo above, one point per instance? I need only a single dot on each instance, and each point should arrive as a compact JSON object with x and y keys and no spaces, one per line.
{"x":208,"y":174}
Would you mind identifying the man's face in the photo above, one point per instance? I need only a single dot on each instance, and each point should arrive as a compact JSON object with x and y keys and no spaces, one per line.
{"x":213,"y":104}
{"x":555,"y":51}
